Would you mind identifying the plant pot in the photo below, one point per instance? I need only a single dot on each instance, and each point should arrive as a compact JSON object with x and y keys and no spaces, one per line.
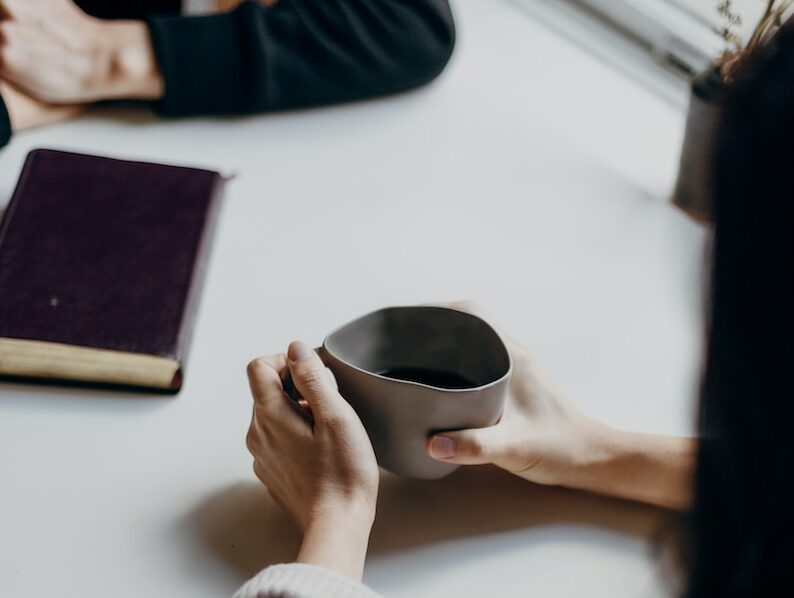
{"x":693,"y":189}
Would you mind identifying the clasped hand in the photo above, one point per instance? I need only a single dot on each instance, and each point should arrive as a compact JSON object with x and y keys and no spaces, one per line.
{"x":54,"y":59}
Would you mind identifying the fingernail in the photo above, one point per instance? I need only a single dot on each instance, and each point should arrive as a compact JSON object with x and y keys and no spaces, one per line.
{"x":299,"y":351}
{"x":442,"y":447}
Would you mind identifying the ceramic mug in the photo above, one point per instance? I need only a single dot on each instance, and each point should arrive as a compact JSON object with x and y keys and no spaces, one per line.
{"x":412,"y":371}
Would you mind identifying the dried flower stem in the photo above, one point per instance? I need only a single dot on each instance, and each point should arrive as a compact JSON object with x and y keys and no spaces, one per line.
{"x":762,"y":26}
{"x":734,"y":57}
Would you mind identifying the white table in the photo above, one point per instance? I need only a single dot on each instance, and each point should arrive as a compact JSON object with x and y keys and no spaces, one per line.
{"x":531,"y":178}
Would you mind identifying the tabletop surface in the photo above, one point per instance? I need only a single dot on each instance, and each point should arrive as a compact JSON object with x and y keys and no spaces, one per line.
{"x":530,"y":178}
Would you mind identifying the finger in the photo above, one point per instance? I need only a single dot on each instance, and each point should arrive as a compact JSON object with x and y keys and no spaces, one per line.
{"x":23,"y":52}
{"x":16,"y":35}
{"x":311,"y":378}
{"x":274,"y":410}
{"x":24,"y":11}
{"x":64,"y":22}
{"x":11,"y":9}
{"x":466,"y":447}
{"x":264,"y":376}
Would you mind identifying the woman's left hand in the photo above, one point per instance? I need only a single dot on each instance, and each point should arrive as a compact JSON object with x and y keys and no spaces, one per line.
{"x":58,"y":54}
{"x":315,"y":458}
{"x":544,"y":438}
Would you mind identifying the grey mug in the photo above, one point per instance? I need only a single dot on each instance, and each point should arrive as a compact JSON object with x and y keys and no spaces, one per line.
{"x":469,"y":369}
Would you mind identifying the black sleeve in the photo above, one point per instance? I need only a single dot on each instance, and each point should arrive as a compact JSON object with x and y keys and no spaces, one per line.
{"x":5,"y":124}
{"x":128,"y":9}
{"x":299,"y":53}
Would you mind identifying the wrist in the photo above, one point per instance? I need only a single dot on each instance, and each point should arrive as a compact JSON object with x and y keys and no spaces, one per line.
{"x":602,"y":447}
{"x":591,"y":449}
{"x":648,"y":468}
{"x":337,"y":539}
{"x":132,"y":69}
{"x":354,"y":513}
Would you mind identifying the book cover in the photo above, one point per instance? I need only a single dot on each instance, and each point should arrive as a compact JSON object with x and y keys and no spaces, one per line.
{"x":101,"y":266}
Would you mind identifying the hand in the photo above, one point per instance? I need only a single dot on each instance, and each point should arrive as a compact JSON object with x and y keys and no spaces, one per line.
{"x":26,"y":112}
{"x":315,"y":458}
{"x":543,"y":438}
{"x":59,"y":55}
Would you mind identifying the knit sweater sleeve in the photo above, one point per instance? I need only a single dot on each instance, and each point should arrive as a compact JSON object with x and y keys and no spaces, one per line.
{"x":299,"y":53}
{"x":298,"y":580}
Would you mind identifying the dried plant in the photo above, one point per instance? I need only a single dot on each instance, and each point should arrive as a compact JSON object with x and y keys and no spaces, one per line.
{"x":738,"y":51}
{"x":731,"y":19}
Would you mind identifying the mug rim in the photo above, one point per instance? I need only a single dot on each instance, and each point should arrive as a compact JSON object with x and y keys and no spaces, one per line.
{"x":499,"y":380}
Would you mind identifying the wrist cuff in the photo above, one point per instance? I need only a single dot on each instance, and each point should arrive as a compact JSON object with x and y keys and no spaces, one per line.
{"x":298,"y":579}
{"x":205,"y":61}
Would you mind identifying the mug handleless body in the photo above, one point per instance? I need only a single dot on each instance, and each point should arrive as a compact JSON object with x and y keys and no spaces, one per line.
{"x":399,"y":415}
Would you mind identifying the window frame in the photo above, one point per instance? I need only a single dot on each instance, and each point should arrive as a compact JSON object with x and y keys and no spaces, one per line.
{"x":668,"y":31}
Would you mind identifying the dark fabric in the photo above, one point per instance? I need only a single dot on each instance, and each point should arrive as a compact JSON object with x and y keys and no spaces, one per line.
{"x":129,"y":9}
{"x":295,"y":54}
{"x":299,"y":53}
{"x":105,"y":253}
{"x":5,"y":124}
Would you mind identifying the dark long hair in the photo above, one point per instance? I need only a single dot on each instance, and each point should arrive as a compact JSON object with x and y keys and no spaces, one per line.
{"x":742,"y":524}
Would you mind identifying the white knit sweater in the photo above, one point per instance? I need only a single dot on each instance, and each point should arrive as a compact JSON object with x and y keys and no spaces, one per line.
{"x":297,"y":580}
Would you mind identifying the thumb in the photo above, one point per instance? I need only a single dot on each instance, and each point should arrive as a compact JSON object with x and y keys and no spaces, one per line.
{"x":310,"y":377}
{"x":465,"y":447}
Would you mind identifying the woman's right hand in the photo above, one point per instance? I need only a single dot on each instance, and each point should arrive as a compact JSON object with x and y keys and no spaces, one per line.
{"x":314,"y":457}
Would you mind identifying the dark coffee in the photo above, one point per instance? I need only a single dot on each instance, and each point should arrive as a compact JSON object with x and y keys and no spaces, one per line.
{"x":435,"y":378}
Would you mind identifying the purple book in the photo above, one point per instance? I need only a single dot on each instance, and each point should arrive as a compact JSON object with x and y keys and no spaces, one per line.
{"x":101,"y":265}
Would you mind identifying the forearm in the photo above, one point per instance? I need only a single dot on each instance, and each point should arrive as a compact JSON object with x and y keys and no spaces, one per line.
{"x":272,"y":56}
{"x":337,"y":541}
{"x":658,"y":470}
